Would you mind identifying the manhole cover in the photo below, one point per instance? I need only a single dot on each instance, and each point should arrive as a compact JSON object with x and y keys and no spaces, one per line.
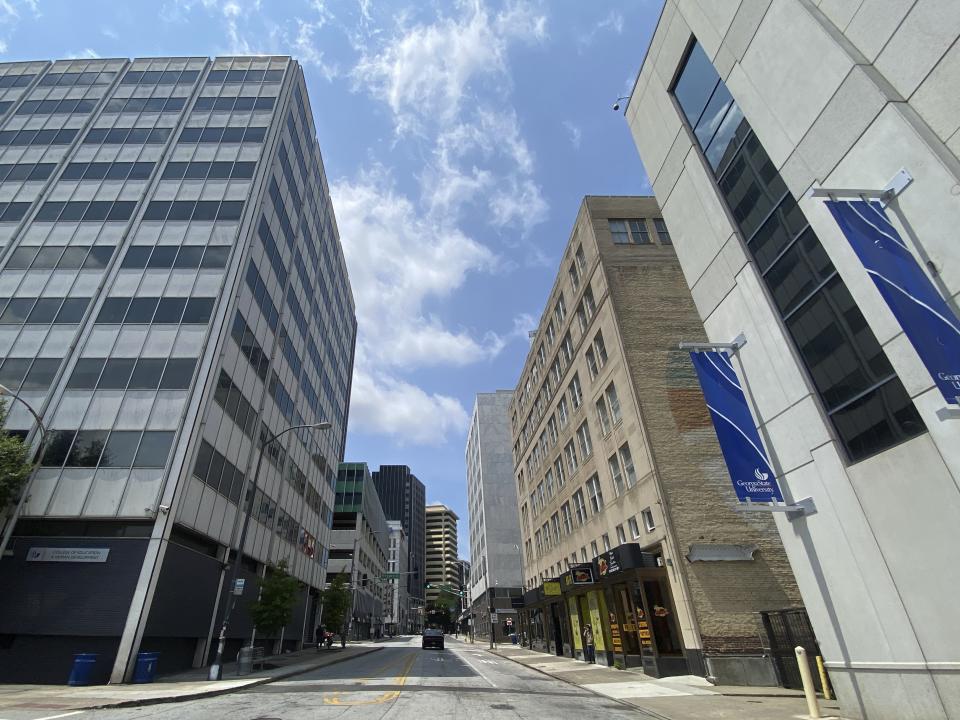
{"x":502,"y":706}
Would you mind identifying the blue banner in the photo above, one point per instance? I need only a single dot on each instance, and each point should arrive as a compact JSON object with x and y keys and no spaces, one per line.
{"x":928,"y":322}
{"x":743,"y":452}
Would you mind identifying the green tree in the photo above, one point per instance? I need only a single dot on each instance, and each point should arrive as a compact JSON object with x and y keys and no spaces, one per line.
{"x":15,"y":466}
{"x":336,"y":604}
{"x":278,"y":595}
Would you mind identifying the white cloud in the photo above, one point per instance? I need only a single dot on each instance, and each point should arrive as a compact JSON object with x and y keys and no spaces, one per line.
{"x":574,"y":132}
{"x":306,"y":51}
{"x":518,"y":202}
{"x":86,"y":53}
{"x":612,"y":21}
{"x":109,"y":32}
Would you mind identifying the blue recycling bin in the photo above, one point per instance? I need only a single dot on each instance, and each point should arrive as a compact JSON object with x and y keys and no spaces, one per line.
{"x":513,"y":638}
{"x":83,"y":664}
{"x":146,"y":669}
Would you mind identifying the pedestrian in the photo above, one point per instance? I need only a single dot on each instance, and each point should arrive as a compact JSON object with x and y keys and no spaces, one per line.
{"x":589,"y":653}
{"x":319,"y":636}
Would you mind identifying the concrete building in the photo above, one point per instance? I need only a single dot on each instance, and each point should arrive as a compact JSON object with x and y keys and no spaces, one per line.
{"x":492,"y":505}
{"x":801,"y":95}
{"x":358,"y":549}
{"x":441,"y":544}
{"x":174,"y":293}
{"x":397,"y":616}
{"x":626,"y":510}
{"x":404,"y":498}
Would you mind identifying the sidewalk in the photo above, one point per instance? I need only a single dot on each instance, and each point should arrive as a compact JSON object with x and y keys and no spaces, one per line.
{"x":687,"y":697}
{"x":180,"y":687}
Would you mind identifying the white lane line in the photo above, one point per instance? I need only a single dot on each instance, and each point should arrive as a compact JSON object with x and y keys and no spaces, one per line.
{"x":476,"y":670}
{"x":61,"y":715}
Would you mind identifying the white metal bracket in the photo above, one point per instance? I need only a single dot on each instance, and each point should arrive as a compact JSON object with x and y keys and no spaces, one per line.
{"x":738,"y":342}
{"x":898,"y":183}
{"x":798,"y":509}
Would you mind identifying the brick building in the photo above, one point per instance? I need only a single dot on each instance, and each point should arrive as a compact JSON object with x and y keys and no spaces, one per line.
{"x":626,"y":509}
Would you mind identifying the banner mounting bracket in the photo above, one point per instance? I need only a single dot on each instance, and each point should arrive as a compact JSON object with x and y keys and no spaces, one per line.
{"x":738,"y":342}
{"x":897,"y":184}
{"x":793,"y":511}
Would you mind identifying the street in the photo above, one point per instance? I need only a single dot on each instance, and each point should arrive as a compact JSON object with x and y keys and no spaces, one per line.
{"x":400,"y":681}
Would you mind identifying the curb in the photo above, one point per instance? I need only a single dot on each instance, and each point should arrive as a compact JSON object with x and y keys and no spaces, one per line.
{"x":638,"y":708}
{"x":226,"y":691}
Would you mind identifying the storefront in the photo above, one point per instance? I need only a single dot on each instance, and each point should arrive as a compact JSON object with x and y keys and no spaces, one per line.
{"x":544,"y":623}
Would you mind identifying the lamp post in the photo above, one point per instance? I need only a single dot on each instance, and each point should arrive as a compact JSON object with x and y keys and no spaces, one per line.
{"x":8,"y":530}
{"x":216,"y":670}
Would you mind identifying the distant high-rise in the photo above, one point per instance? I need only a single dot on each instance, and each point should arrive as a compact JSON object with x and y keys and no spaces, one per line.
{"x":442,"y":568}
{"x":404,"y":498}
{"x":172,"y":294}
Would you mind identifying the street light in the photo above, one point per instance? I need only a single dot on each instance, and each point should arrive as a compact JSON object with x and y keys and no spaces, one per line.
{"x":216,"y":670}
{"x":8,"y":530}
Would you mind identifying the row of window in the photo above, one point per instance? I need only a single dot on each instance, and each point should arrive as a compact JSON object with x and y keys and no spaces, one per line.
{"x":66,"y":79}
{"x":37,"y":137}
{"x":218,"y":170}
{"x":60,"y":257}
{"x":5,"y":105}
{"x":106,"y":449}
{"x":247,"y":342}
{"x":634,"y":231}
{"x":176,"y":256}
{"x":28,"y":373}
{"x":86,"y":211}
{"x":160,"y":77}
{"x":236,"y":104}
{"x":218,"y":473}
{"x":135,"y":105}
{"x":235,"y":405}
{"x":132,"y":374}
{"x":209,"y":210}
{"x":127,"y":136}
{"x":156,"y":310}
{"x":14,"y":211}
{"x":45,"y":310}
{"x":9,"y":81}
{"x":57,"y":107}
{"x":241,"y":76}
{"x":26,"y":171}
{"x":107,"y":171}
{"x":223,"y":135}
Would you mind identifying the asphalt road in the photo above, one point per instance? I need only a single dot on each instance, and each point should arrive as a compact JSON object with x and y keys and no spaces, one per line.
{"x":400,"y":682}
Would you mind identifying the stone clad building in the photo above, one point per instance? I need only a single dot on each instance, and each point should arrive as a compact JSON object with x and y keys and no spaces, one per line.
{"x":626,"y":509}
{"x":739,"y":111}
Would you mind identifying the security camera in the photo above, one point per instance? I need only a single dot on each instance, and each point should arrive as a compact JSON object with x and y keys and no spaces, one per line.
{"x":164,"y":509}
{"x":616,"y":106}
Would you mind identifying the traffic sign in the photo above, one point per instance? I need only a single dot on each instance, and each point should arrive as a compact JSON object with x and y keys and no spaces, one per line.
{"x":238,"y":586}
{"x":493,"y":617}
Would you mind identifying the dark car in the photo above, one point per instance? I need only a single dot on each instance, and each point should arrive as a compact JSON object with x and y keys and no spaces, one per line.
{"x":433,"y":638}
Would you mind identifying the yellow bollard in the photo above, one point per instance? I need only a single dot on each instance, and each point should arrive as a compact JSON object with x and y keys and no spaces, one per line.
{"x":808,"y":689}
{"x":824,"y":682}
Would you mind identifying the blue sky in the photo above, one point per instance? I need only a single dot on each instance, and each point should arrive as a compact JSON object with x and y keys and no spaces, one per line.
{"x":459,"y":139}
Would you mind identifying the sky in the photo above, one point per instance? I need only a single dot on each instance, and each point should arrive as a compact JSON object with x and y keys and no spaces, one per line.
{"x":459,"y":139}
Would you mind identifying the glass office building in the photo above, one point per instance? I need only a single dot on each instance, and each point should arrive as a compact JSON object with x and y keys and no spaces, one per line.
{"x":172,"y":293}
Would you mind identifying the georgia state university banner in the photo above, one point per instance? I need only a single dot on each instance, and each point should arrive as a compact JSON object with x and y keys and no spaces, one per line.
{"x":743,"y":452}
{"x":927,"y":321}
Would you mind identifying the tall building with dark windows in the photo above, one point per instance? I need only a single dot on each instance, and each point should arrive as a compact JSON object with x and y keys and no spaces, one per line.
{"x":172,"y":294}
{"x":764,"y":128}
{"x":404,"y":498}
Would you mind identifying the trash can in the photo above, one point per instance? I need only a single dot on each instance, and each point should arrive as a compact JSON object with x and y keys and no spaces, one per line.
{"x":245,"y":661}
{"x":83,"y":664}
{"x":513,"y":638}
{"x":146,"y":668}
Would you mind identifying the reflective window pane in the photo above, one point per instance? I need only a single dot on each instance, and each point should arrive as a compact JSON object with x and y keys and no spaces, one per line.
{"x":121,"y":449}
{"x":87,"y":448}
{"x":154,"y":449}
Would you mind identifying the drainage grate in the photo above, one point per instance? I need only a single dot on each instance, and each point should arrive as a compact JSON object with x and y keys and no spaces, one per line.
{"x":502,"y":706}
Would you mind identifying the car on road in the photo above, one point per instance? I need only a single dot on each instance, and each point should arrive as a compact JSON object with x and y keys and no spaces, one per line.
{"x":433,"y":638}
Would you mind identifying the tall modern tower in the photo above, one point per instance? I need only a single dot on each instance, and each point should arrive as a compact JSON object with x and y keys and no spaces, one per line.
{"x":173,"y":294}
{"x":403,"y":498}
{"x":495,"y":574}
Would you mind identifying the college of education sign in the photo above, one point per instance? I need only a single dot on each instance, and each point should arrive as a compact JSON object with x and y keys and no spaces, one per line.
{"x":67,"y":555}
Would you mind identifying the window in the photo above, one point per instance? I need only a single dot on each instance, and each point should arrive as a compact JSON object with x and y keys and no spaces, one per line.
{"x":613,"y":402}
{"x":595,"y":493}
{"x":551,"y":333}
{"x":538,"y":539}
{"x":579,"y":507}
{"x":629,"y":471}
{"x":563,"y":413}
{"x":567,"y":518}
{"x":600,"y":350}
{"x":625,"y":232}
{"x":581,"y":259}
{"x":663,"y":235}
{"x":558,"y":467}
{"x":552,"y":430}
{"x":555,"y":526}
{"x":571,"y":453}
{"x":583,"y":436}
{"x":616,"y":475}
{"x":574,"y":276}
{"x":592,"y":367}
{"x":576,"y":394}
{"x":618,"y":229}
{"x":566,"y":350}
{"x":606,"y":542}
{"x":634,"y":527}
{"x":865,"y":400}
{"x":648,"y":523}
{"x":560,"y":310}
{"x":603,"y":415}
{"x":548,"y":481}
{"x":621,"y":535}
{"x":593,"y":548}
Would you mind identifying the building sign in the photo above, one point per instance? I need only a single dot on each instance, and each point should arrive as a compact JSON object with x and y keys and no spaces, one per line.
{"x":615,"y":638}
{"x":551,"y":587}
{"x":928,"y":322}
{"x":608,"y":563}
{"x":582,"y":574}
{"x":67,"y":555}
{"x":746,"y":460}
